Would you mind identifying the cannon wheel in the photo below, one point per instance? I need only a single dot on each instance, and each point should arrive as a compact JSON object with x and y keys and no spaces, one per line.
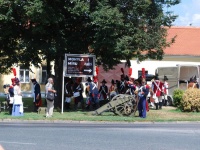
{"x":130,"y":107}
{"x":119,"y":110}
{"x":126,"y":108}
{"x":114,"y":99}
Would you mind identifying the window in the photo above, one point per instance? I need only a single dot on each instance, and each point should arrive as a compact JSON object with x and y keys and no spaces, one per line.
{"x":24,"y":75}
{"x":44,"y":74}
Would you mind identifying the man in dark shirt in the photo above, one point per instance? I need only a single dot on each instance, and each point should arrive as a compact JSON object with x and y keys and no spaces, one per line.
{"x":36,"y":94}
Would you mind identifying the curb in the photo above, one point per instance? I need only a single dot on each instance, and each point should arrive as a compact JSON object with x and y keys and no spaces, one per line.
{"x":93,"y":122}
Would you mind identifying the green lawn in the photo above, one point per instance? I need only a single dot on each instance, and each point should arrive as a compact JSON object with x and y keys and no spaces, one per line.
{"x":166,"y":114}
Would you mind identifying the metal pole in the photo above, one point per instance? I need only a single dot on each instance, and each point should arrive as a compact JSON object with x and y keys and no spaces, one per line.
{"x":63,"y":86}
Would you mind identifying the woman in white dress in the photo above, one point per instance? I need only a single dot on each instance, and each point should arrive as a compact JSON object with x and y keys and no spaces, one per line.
{"x":17,"y":95}
{"x":50,"y":104}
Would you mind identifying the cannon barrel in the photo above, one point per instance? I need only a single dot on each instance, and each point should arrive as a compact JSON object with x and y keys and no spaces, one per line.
{"x":121,"y":104}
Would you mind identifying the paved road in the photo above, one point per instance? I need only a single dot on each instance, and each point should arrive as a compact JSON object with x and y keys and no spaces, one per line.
{"x":99,"y":136}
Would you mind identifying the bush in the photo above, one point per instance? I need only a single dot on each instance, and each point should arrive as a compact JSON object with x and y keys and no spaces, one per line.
{"x":177,"y":97}
{"x":191,"y":100}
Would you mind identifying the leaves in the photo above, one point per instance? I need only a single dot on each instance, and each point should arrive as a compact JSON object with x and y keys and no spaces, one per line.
{"x":190,"y":100}
{"x":34,"y":30}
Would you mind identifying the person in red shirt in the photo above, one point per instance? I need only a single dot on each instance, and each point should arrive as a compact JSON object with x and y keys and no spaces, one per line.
{"x":157,"y":87}
{"x":165,"y":90}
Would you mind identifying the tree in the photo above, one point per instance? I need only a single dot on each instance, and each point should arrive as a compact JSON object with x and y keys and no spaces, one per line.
{"x":36,"y":30}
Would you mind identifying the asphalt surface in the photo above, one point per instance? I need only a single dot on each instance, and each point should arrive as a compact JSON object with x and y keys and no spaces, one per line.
{"x":75,"y":135}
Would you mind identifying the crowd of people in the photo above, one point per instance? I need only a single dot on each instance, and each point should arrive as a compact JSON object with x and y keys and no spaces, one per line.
{"x":153,"y":94}
{"x":74,"y":90}
{"x":14,"y":97}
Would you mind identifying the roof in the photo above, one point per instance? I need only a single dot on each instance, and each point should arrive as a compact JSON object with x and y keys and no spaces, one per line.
{"x":187,"y":41}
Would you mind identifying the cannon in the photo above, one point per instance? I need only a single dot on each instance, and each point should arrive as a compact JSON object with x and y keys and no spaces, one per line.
{"x":122,"y":104}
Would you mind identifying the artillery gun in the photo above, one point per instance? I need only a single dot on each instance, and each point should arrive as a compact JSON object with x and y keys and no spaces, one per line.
{"x":122,"y":104}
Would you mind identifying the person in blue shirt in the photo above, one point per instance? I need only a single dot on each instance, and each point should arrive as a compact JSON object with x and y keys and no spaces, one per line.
{"x":93,"y":94}
{"x":103,"y":90}
{"x":142,"y":96}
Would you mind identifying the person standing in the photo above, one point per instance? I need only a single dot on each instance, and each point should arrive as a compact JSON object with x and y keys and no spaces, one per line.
{"x":142,"y":96}
{"x":36,"y":94}
{"x":157,"y":87}
{"x":93,"y":94}
{"x":151,"y":99}
{"x":17,"y":100}
{"x":68,"y":93}
{"x":78,"y":93}
{"x":132,"y":86}
{"x":103,"y":90}
{"x":165,"y":90}
{"x":11,"y":95}
{"x":50,"y":104}
{"x":112,"y":90}
{"x":122,"y":89}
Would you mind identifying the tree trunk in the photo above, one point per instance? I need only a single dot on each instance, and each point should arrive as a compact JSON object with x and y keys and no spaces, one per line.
{"x":48,"y":68}
{"x":58,"y":81}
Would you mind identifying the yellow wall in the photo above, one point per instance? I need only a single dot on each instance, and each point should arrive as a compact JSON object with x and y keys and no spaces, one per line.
{"x":25,"y":87}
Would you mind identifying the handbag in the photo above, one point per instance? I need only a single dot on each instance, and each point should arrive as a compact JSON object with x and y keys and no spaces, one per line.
{"x":50,"y":96}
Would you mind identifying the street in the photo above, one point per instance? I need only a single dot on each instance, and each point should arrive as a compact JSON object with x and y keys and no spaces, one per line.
{"x":99,"y":136}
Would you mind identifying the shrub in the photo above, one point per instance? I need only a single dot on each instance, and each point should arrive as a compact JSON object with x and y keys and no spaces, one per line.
{"x":177,"y":97}
{"x":190,"y":100}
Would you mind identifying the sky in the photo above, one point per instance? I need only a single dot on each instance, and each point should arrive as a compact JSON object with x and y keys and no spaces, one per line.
{"x":188,"y":12}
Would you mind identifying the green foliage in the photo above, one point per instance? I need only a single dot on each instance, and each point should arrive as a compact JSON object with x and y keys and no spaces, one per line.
{"x":177,"y":97}
{"x":121,"y":29}
{"x":35,"y":30}
{"x":190,"y":100}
